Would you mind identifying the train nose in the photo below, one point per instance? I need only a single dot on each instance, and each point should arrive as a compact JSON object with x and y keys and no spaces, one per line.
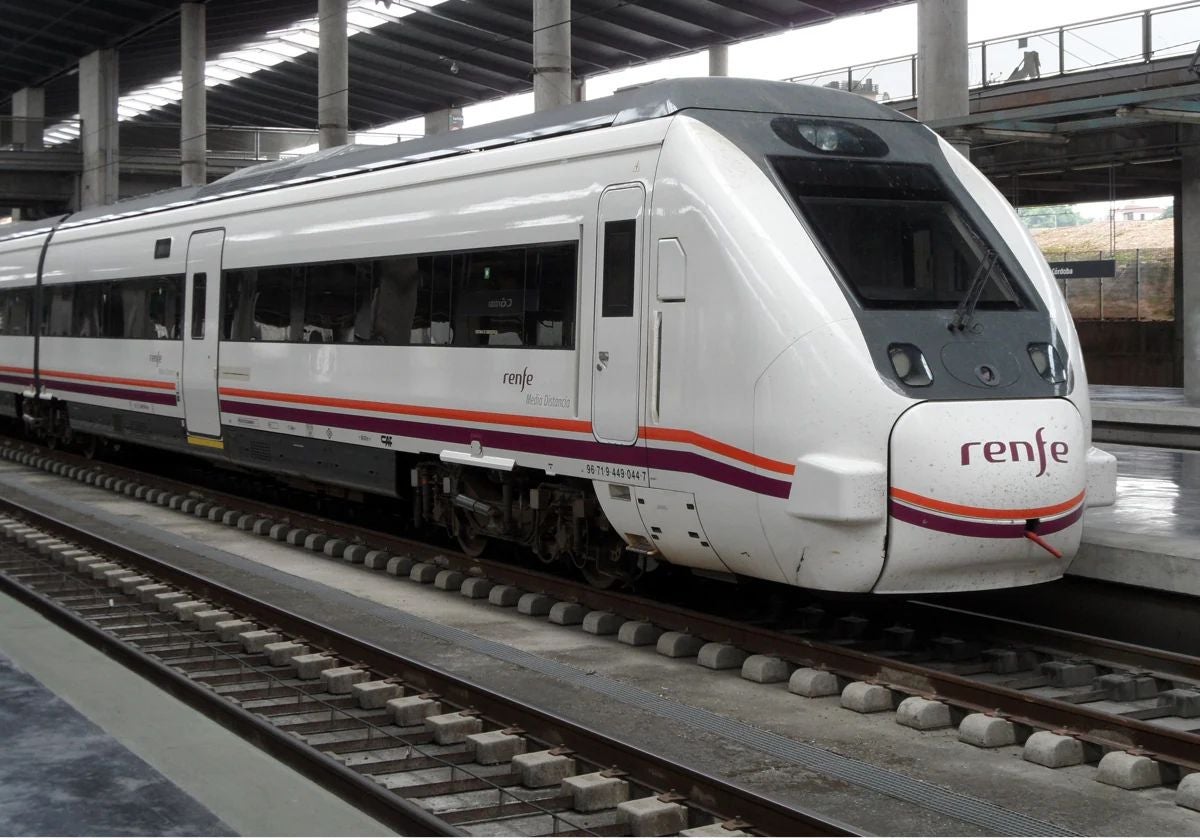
{"x":983,"y":495}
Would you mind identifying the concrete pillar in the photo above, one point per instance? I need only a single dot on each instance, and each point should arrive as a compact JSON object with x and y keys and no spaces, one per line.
{"x":718,"y":60}
{"x":98,"y":118}
{"x":551,"y":54}
{"x":1187,"y":212}
{"x":193,"y":147}
{"x":29,"y":113}
{"x":942,"y":69}
{"x":447,"y":119}
{"x":333,"y":75}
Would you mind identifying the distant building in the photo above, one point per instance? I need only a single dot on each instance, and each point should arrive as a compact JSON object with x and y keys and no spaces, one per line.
{"x":1137,"y":212}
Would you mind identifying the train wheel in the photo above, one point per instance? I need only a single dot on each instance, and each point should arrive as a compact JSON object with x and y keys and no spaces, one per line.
{"x":471,"y":541}
{"x":597,"y":578}
{"x":88,"y":446}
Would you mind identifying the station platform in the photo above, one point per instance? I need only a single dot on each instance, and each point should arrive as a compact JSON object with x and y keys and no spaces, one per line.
{"x":1151,"y":536}
{"x":63,"y":775}
{"x":1153,"y":416}
{"x":90,"y":749}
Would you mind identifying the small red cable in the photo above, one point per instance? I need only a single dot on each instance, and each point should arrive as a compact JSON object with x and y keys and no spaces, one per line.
{"x":1054,"y":551}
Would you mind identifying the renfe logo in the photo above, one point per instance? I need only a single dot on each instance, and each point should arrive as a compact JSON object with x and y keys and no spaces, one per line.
{"x":523,"y":378}
{"x":999,"y":452}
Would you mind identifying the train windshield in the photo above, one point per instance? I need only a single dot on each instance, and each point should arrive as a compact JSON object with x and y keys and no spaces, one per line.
{"x":896,"y":236}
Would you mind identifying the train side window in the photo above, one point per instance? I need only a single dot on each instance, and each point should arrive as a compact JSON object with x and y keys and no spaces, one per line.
{"x":14,"y":311}
{"x":199,"y":302}
{"x":553,"y":275}
{"x":166,"y":306}
{"x":112,"y":309}
{"x":489,"y":298}
{"x":329,"y":303}
{"x":399,"y":306}
{"x":620,"y":267}
{"x":86,"y":310}
{"x":273,"y":305}
{"x":442,"y":267}
{"x":56,"y":309}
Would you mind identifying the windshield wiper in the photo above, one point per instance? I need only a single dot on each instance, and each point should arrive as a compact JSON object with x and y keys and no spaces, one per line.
{"x":966,"y":307}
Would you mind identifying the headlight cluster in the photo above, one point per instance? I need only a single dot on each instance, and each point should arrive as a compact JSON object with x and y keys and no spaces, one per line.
{"x":913,"y":370}
{"x":909,"y":363}
{"x":1048,"y":363}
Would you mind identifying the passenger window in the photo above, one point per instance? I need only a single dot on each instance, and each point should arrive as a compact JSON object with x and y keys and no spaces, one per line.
{"x":14,"y":311}
{"x":199,"y":300}
{"x":165,"y":307}
{"x":620,"y":267}
{"x":56,"y":310}
{"x":85,"y":312}
{"x":273,"y":304}
{"x":328,"y":303}
{"x":387,"y":301}
{"x":112,"y":310}
{"x":550,"y":309}
{"x":489,"y":298}
{"x":502,"y":297}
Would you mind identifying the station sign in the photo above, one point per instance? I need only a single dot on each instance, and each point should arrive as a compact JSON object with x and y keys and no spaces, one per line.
{"x":1072,"y":269}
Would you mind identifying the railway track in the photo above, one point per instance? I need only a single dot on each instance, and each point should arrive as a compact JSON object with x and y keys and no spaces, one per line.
{"x":417,"y":748}
{"x":1108,"y":695}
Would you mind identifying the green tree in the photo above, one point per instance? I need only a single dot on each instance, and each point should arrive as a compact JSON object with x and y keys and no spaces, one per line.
{"x":1051,"y":216}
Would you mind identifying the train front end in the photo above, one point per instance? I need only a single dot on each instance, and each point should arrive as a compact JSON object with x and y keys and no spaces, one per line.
{"x":939,"y":420}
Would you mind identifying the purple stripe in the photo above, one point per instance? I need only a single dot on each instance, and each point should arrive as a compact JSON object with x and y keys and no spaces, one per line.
{"x":15,"y":380}
{"x":582,"y":450}
{"x":159,"y":398}
{"x":981,"y":530}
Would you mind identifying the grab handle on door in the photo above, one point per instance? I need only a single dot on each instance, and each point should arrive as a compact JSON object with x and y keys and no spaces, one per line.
{"x":602,"y":362}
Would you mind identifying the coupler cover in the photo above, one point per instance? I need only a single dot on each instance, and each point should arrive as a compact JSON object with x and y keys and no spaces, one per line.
{"x":984,"y":495}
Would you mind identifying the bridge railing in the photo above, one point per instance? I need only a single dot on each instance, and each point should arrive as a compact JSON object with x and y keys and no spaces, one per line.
{"x":1131,"y":38}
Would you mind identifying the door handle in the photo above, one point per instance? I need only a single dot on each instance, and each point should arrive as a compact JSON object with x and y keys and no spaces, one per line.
{"x":602,"y":358}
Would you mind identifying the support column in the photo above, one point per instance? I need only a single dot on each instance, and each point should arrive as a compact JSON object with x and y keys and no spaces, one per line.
{"x":98,"y":117}
{"x":29,"y":115}
{"x":942,"y":67}
{"x":193,"y":109}
{"x":718,"y":60}
{"x":552,"y":86}
{"x":333,"y":75}
{"x":1187,"y":254}
{"x":447,"y":119}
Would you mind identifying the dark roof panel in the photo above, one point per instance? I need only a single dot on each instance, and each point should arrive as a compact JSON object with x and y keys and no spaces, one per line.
{"x":456,"y":53}
{"x":652,"y":101}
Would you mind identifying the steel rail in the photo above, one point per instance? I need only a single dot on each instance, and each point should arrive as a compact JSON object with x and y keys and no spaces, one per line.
{"x":1178,"y":665}
{"x":359,"y":790}
{"x":707,"y":792}
{"x":1090,"y":725}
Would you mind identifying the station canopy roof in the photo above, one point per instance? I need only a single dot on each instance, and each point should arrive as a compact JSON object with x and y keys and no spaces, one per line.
{"x":407,"y":57}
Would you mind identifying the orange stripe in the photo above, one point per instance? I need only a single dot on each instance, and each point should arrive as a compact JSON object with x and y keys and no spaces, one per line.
{"x":698,"y":440}
{"x":8,"y":369}
{"x":115,"y":380}
{"x":985,"y":513}
{"x":417,"y":410}
{"x":579,"y":426}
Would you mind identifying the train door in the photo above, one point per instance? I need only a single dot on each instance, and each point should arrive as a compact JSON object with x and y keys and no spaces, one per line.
{"x":618,"y":327}
{"x":200,"y":326}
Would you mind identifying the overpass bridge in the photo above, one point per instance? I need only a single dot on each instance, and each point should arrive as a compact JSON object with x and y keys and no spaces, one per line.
{"x":1093,"y":111}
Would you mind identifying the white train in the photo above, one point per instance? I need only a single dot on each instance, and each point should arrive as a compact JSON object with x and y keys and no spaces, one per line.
{"x":751,"y":328}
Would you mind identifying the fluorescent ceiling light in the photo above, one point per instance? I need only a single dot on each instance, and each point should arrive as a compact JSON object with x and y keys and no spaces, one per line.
{"x":277,"y":47}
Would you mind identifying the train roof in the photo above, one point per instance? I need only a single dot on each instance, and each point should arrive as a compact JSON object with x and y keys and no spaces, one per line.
{"x":647,"y":102}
